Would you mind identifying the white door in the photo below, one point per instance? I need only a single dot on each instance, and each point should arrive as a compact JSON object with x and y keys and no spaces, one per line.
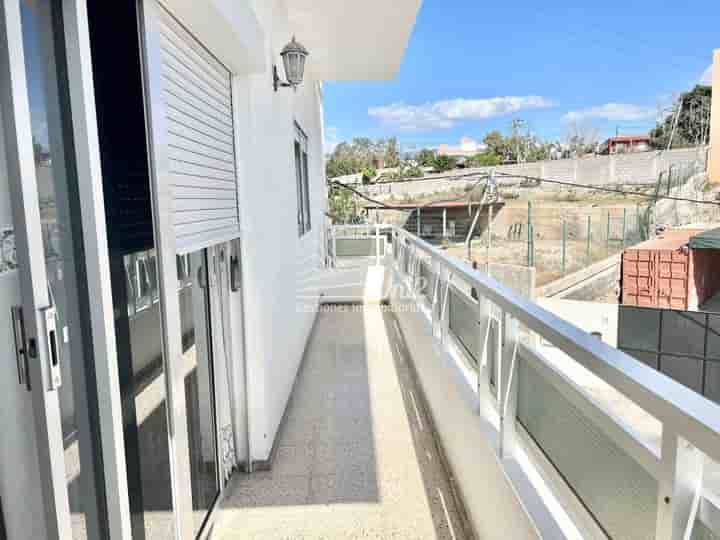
{"x":54,"y":456}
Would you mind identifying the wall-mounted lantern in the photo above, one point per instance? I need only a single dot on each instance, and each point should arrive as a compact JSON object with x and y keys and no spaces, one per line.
{"x":294,"y":56}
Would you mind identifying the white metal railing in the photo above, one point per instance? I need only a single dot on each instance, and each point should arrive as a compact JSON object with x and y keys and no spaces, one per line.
{"x":370,"y":239}
{"x":690,"y":423}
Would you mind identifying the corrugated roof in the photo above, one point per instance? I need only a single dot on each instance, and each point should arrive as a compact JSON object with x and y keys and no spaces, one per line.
{"x":423,"y":206}
{"x":706,"y":240}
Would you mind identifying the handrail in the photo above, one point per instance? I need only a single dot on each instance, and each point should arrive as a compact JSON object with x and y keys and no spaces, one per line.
{"x":689,"y":414}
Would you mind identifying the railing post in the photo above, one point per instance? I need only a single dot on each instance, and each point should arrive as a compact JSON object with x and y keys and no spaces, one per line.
{"x":377,"y":245}
{"x":334,"y":247}
{"x":564,"y":246}
{"x":434,"y":306}
{"x":483,"y":364}
{"x":508,"y":384}
{"x":445,"y":309}
{"x":679,"y":487}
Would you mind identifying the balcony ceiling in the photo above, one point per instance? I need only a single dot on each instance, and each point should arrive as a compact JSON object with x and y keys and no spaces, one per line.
{"x":354,"y":40}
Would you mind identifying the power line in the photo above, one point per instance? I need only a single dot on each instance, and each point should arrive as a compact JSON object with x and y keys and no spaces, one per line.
{"x":527,"y":177}
{"x":607,"y":190}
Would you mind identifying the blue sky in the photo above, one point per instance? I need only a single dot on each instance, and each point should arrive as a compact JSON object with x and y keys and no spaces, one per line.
{"x":473,"y":66}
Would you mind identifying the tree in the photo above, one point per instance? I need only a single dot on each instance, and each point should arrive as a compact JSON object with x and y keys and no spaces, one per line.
{"x":392,"y":153}
{"x":342,"y":206}
{"x":443,"y":163}
{"x":426,"y":157}
{"x":688,"y":123}
{"x":485,"y":159}
{"x":356,"y":156}
{"x":496,"y":143}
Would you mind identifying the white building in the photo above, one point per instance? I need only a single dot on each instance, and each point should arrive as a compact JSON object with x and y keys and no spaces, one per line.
{"x":182,"y":218}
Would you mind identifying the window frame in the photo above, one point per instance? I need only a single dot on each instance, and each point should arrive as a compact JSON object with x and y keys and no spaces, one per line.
{"x":302,"y":178}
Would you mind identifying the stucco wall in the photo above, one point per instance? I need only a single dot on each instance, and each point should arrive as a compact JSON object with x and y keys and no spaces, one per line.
{"x":278,"y":267}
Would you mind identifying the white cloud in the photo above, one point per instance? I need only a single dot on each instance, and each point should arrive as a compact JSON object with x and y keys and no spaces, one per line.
{"x":706,"y":77}
{"x":619,"y":112}
{"x":331,"y":139}
{"x":448,"y":113}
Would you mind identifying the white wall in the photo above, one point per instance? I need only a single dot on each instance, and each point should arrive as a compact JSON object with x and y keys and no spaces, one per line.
{"x":278,"y":267}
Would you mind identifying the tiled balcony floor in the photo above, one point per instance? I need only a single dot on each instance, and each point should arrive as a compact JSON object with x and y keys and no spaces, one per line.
{"x":356,"y":457}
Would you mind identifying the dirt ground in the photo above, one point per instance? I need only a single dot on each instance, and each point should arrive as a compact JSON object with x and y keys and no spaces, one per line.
{"x":548,"y":255}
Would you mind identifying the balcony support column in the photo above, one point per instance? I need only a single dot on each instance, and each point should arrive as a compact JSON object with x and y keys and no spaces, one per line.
{"x":679,"y":486}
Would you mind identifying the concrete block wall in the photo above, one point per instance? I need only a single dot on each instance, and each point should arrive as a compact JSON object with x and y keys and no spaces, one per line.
{"x":619,"y":169}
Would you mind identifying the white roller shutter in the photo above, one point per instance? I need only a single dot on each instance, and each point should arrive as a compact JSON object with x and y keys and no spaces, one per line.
{"x":200,"y":143}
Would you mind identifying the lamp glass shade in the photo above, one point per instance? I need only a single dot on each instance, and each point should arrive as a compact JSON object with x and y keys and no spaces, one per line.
{"x":294,"y":56}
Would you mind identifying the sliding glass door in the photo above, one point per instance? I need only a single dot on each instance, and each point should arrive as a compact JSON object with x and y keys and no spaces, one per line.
{"x":45,"y":284}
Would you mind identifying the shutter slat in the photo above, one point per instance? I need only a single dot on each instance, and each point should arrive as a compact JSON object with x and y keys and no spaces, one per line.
{"x":180,"y":154}
{"x":207,"y":203}
{"x":202,"y":182}
{"x":202,"y":216}
{"x":184,"y":136}
{"x":195,"y":122}
{"x":183,"y":168}
{"x":204,"y":226}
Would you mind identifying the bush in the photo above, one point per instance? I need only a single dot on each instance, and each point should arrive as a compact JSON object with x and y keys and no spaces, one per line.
{"x":368,"y":175}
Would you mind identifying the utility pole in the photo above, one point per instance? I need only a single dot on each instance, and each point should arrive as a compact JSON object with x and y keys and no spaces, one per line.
{"x":517,"y":125}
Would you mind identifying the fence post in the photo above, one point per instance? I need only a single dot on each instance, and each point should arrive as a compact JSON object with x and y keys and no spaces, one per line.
{"x":607,"y":234}
{"x":483,"y":375}
{"x":624,"y":227}
{"x":444,"y":223}
{"x":564,"y":246}
{"x":529,"y":234}
{"x":589,"y":235}
{"x":419,"y":233}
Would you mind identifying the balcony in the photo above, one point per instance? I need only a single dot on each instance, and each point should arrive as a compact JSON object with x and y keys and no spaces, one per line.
{"x":466,"y":410}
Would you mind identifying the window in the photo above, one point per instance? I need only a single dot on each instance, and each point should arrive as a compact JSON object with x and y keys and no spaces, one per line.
{"x":303,"y":183}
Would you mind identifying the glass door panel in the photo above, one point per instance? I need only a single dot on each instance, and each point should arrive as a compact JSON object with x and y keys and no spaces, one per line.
{"x":198,"y":366}
{"x":57,"y":192}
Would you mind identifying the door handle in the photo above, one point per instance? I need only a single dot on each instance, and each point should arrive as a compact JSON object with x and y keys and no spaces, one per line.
{"x":53,"y":341}
{"x":21,"y":352}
